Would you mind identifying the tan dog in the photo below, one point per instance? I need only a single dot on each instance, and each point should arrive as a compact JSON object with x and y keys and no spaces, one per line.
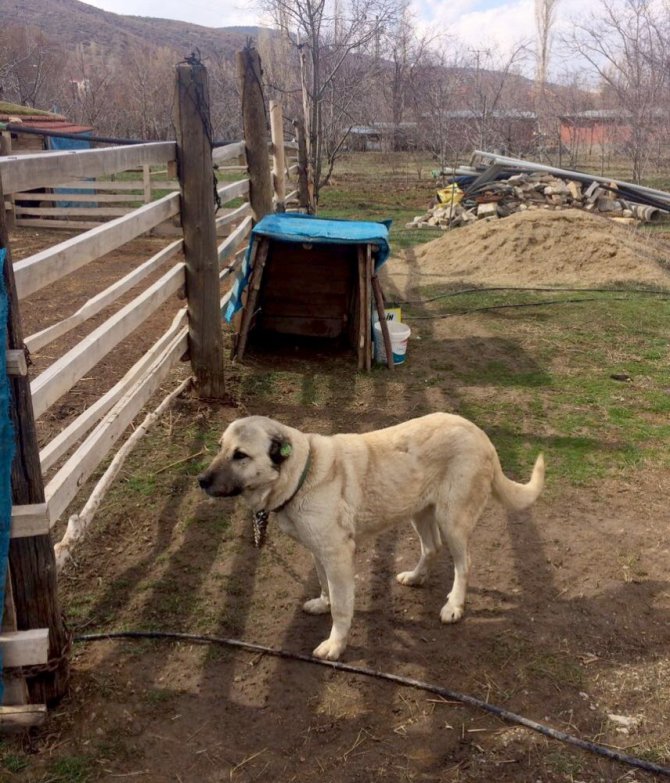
{"x":328,"y":492}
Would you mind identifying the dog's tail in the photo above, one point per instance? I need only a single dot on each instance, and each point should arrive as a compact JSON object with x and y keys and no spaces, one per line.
{"x":515,"y":496}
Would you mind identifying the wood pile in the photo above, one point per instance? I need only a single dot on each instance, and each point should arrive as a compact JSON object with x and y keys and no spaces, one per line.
{"x":534,"y":190}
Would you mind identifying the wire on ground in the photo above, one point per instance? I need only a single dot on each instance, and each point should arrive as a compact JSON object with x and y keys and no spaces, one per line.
{"x":447,"y":693}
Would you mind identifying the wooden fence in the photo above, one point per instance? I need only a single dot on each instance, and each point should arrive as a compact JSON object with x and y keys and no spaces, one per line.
{"x":47,"y":480}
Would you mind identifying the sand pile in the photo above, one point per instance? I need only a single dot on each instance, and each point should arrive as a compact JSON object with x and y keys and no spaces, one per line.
{"x":538,"y":247}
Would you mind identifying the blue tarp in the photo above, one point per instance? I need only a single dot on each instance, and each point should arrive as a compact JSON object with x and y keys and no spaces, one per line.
{"x":285,"y":227}
{"x":83,"y":143}
{"x":6,"y":451}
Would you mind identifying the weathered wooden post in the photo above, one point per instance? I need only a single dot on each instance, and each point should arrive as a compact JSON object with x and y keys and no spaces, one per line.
{"x":31,"y":557}
{"x":278,"y":161}
{"x":198,"y":184}
{"x":254,"y":120}
{"x":6,"y":149}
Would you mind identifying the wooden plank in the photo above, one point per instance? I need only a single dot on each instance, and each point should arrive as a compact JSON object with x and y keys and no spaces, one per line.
{"x":104,"y":184}
{"x":62,"y":489}
{"x":67,"y":438}
{"x":278,"y":161}
{"x":16,"y":689}
{"x":80,"y":197}
{"x":48,"y":169}
{"x":304,"y":326}
{"x":368,"y":307}
{"x":57,"y":224}
{"x":234,"y":190}
{"x":62,"y":375}
{"x":293,"y":169}
{"x":360,"y":315}
{"x":16,"y":363}
{"x":146,"y":182}
{"x":230,"y":151}
{"x":263,"y":248}
{"x":97,"y":303}
{"x":228,"y":246}
{"x":49,"y":265}
{"x":24,"y":648}
{"x":159,"y":184}
{"x":31,"y":520}
{"x":381,"y":313}
{"x":22,"y":716}
{"x":234,"y":215}
{"x":237,"y":260}
{"x":97,"y":212}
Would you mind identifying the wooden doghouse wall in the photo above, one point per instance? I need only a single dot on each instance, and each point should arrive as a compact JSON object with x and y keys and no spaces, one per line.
{"x":309,"y":290}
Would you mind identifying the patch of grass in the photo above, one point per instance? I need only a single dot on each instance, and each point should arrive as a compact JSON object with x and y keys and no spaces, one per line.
{"x":158,"y":696}
{"x":141,"y":484}
{"x":71,"y":769}
{"x":13,"y":762}
{"x":561,"y":670}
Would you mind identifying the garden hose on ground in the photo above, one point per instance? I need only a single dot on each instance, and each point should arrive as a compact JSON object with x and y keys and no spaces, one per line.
{"x":472,"y":701}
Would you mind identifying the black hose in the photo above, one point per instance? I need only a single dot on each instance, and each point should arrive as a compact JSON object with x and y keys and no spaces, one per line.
{"x":555,"y":289}
{"x":410,"y":682}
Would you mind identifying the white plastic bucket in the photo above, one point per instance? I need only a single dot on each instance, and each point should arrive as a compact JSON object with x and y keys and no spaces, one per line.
{"x":399,"y":334}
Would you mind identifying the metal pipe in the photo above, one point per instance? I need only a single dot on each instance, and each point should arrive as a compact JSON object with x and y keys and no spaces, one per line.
{"x":580,"y":176}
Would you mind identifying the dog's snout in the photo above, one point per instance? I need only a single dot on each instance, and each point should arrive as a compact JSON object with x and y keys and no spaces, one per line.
{"x":205,"y":480}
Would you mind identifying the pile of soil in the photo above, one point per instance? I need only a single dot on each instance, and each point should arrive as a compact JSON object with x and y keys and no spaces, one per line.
{"x":538,"y":247}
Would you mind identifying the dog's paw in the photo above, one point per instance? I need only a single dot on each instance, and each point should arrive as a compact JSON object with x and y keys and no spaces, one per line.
{"x":411,"y":578}
{"x":451,"y":613}
{"x":318,"y":605}
{"x":329,"y":650}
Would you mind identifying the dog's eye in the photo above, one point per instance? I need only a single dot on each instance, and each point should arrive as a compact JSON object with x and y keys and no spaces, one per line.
{"x":237,"y":454}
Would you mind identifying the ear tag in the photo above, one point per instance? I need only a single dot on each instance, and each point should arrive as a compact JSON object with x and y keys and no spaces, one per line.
{"x":286,"y":450}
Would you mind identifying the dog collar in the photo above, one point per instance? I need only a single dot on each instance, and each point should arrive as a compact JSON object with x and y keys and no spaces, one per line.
{"x":261,"y":517}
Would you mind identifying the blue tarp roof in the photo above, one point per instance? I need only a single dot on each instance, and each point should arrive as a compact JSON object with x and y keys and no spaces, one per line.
{"x":286,"y":227}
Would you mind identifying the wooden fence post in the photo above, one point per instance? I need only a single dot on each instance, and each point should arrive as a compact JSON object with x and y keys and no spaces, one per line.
{"x":31,"y":559}
{"x":255,"y":123}
{"x":6,"y":149}
{"x":278,"y":162}
{"x":196,"y":177}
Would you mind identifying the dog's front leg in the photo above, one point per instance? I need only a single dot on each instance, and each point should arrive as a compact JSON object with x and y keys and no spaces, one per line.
{"x":319,"y":605}
{"x":339,"y":568}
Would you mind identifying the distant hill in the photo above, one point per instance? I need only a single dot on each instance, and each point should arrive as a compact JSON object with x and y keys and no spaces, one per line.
{"x":70,"y":24}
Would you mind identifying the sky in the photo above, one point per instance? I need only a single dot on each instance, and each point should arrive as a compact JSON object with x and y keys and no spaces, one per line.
{"x":478,"y":24}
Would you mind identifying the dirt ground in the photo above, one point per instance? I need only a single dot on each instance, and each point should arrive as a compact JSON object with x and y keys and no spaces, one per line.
{"x":568,"y":620}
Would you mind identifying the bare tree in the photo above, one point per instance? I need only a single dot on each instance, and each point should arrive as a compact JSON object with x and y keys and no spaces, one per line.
{"x":494,"y":88}
{"x":30,"y":66}
{"x":626,"y":46}
{"x":545,"y":16}
{"x":406,"y":52}
{"x":436,"y":90}
{"x":327,"y":34}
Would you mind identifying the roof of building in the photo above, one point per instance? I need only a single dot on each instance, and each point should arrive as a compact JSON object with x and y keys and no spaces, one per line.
{"x":39,"y":119}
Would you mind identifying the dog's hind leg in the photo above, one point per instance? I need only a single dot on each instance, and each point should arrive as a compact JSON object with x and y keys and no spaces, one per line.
{"x":320,"y":605}
{"x":457,"y":517}
{"x":431,"y":541}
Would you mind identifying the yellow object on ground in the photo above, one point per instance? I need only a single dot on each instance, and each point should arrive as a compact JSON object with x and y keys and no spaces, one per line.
{"x":450,"y":195}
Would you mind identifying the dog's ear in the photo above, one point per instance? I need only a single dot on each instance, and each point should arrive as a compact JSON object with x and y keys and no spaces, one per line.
{"x":280,"y":449}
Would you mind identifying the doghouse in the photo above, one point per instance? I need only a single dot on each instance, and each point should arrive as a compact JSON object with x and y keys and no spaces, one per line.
{"x":310,"y":277}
